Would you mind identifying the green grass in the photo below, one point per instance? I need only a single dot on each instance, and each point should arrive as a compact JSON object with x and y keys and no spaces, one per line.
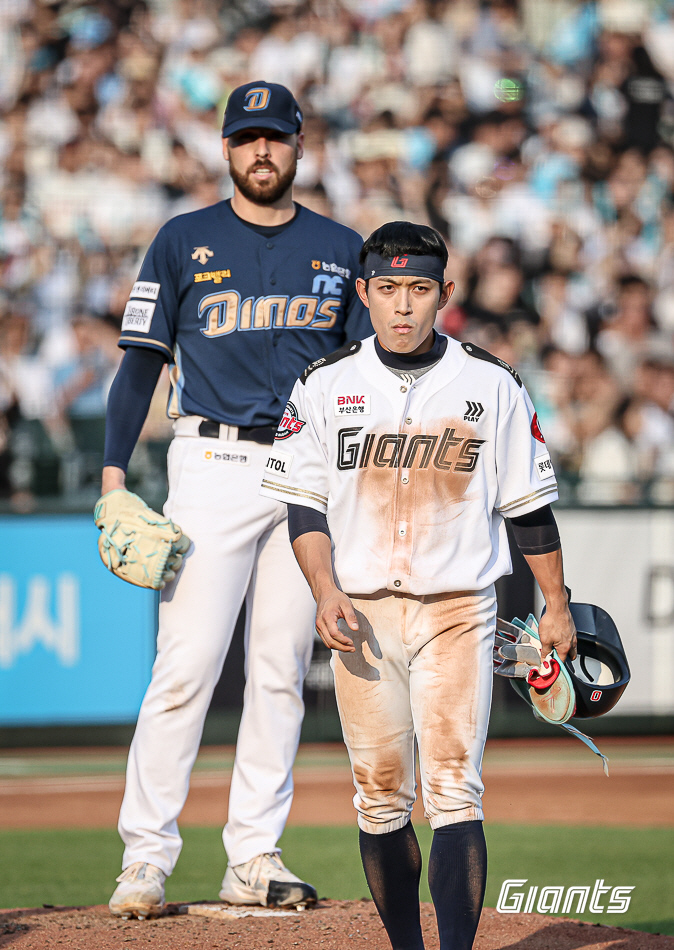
{"x":79,"y":866}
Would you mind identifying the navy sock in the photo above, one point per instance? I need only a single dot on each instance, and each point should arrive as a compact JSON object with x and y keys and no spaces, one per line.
{"x":457,"y":874}
{"x":392,"y":865}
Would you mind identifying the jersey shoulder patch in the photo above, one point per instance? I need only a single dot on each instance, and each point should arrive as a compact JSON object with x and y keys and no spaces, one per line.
{"x":349,"y":349}
{"x":481,"y":354}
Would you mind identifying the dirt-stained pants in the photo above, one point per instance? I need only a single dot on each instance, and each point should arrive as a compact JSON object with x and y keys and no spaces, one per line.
{"x":422,"y":669}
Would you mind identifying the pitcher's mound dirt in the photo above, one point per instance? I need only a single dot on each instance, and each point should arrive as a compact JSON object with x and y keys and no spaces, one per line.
{"x":332,"y":925}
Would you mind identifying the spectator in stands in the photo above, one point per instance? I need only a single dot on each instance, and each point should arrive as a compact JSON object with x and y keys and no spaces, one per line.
{"x":537,"y":137}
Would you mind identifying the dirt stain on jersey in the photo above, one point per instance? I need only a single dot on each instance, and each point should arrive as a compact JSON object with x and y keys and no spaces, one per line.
{"x":414,"y":499}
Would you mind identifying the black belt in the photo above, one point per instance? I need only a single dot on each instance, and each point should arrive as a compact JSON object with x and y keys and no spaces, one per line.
{"x":264,"y":435}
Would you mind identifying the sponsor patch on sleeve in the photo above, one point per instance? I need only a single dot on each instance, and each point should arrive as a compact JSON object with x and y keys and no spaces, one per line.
{"x":147,"y":289}
{"x":138,"y":316}
{"x":279,"y":464}
{"x":352,"y":405}
{"x":543,"y":467}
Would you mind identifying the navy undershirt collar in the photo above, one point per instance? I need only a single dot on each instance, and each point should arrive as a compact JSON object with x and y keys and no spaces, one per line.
{"x":403,"y":361}
{"x":265,"y":230}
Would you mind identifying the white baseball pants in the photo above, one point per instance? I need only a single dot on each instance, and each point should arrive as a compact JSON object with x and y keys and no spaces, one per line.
{"x":422,"y":672}
{"x":240,"y":550}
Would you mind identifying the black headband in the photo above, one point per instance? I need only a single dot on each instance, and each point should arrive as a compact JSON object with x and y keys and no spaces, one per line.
{"x":403,"y":265}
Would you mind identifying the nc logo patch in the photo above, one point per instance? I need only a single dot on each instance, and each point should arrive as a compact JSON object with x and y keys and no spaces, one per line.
{"x":331,"y":286}
{"x":352,"y":405}
{"x":290,"y":424}
{"x":256,"y":99}
{"x":279,"y":464}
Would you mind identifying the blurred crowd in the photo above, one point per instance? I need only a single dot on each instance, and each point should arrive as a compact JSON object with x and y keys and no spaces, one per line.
{"x":535,"y":135}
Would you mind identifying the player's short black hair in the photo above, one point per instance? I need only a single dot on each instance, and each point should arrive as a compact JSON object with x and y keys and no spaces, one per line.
{"x":404,"y":237}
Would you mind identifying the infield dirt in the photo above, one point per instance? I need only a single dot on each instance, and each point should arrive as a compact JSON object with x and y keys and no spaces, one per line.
{"x":332,"y":925}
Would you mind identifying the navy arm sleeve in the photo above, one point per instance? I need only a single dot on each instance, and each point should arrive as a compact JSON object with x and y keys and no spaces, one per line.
{"x":302,"y":520}
{"x":536,"y":532}
{"x":129,"y":401}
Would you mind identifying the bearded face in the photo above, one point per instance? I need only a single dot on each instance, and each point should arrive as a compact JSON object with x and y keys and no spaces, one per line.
{"x":262,"y":164}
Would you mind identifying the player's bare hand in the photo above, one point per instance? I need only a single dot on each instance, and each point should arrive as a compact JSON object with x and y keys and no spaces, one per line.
{"x":332,"y":608}
{"x":558,"y":631}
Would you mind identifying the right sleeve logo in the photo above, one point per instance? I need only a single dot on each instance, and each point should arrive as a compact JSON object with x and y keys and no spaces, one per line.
{"x":536,"y":429}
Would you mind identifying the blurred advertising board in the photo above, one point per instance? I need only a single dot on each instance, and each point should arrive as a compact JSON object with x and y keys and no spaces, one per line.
{"x":76,"y":643}
{"x":623,"y":560}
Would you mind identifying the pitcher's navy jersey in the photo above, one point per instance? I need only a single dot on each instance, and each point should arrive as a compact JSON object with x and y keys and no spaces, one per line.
{"x":240,"y":314}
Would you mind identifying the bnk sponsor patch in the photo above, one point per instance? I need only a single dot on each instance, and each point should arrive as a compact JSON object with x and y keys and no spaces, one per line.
{"x":279,"y":464}
{"x":147,"y":289}
{"x":235,"y":458}
{"x":544,"y":467}
{"x":352,"y":405}
{"x":138,"y":316}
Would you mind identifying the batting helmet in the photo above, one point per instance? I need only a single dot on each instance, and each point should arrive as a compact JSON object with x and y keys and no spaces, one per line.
{"x":599,"y":672}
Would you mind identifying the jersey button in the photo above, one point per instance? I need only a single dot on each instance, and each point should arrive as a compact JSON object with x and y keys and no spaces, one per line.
{"x":403,"y":389}
{"x":408,"y":421}
{"x":397,"y":583}
{"x":404,"y":479}
{"x":270,"y":245}
{"x":402,"y":532}
{"x":272,"y":281}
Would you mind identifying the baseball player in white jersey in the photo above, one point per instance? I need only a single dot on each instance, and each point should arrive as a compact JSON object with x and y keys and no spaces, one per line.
{"x":238,"y":298}
{"x":406,"y":453}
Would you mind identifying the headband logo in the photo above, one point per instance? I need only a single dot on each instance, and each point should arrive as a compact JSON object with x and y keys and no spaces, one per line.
{"x":399,"y":261}
{"x":256,"y":99}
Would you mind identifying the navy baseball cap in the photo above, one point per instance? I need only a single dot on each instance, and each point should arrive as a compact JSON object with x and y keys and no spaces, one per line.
{"x":262,"y":105}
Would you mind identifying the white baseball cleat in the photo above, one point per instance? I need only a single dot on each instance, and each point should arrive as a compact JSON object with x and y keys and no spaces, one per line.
{"x":267,"y":881}
{"x":140,"y":892}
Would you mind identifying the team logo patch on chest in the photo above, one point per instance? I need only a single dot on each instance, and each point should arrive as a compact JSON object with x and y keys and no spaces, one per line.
{"x":290,"y":423}
{"x":473,"y":411}
{"x":352,"y":405}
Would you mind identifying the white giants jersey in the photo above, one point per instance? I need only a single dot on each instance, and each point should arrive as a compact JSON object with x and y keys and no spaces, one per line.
{"x":415,"y":475}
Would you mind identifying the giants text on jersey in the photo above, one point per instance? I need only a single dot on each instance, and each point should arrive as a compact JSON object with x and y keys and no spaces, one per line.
{"x":415,"y":475}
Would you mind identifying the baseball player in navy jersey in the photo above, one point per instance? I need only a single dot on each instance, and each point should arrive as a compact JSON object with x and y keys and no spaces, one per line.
{"x":237,"y":298}
{"x":407,"y":452}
